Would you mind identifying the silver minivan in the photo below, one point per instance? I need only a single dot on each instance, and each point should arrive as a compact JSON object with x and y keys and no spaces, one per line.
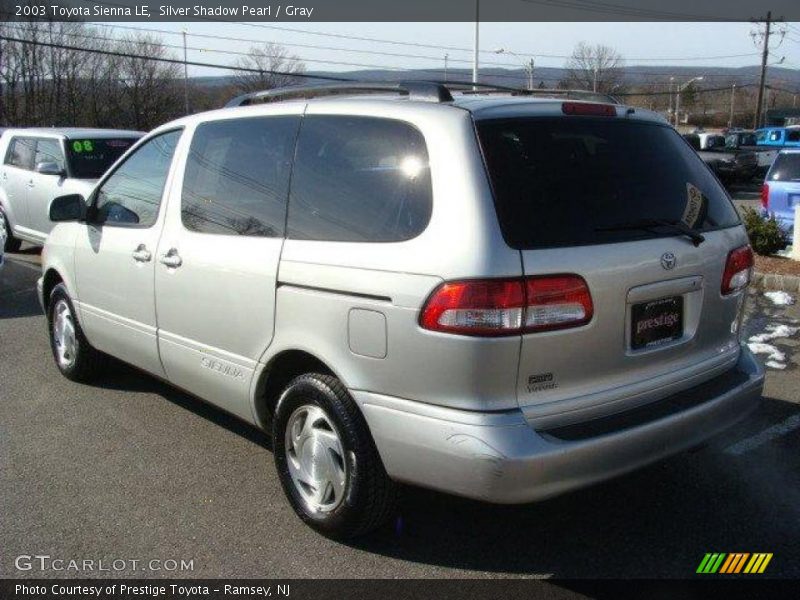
{"x":492,"y":295}
{"x":42,"y":163}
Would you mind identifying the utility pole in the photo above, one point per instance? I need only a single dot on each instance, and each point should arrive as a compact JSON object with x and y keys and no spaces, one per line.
{"x":185,"y":76}
{"x":530,"y":75}
{"x":446,"y":56}
{"x":733,"y":98}
{"x":594,"y":87}
{"x":763,"y":80}
{"x":476,"y":46}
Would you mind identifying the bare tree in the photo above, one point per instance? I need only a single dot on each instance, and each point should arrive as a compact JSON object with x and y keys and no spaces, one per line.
{"x":148,"y":87}
{"x":277,"y":68}
{"x":597,"y":68}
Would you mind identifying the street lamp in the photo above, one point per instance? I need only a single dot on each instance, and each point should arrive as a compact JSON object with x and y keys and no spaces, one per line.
{"x":678,"y":97}
{"x":527,"y":65}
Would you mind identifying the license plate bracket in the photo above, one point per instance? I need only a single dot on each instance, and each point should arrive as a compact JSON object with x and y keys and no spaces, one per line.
{"x":656,"y":322}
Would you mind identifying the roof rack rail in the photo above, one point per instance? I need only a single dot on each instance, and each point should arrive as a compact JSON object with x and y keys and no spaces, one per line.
{"x":415,"y":90}
{"x":468,"y":88}
{"x":577,"y":94}
{"x":428,"y":91}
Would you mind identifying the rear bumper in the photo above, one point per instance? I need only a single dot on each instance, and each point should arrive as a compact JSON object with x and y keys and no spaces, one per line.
{"x":498,"y":457}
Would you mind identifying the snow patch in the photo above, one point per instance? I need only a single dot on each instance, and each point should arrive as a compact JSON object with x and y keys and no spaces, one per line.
{"x":774,"y":331}
{"x":780,"y":298}
{"x":773,"y":354}
{"x":774,"y":364}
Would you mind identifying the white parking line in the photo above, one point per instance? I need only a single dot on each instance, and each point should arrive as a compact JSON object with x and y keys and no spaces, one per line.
{"x":765,"y":436}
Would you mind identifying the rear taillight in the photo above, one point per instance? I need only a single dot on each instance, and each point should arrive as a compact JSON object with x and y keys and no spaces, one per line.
{"x":496,"y":307}
{"x":738,"y":270}
{"x":765,"y":196}
{"x":588,"y":108}
{"x":555,"y":302}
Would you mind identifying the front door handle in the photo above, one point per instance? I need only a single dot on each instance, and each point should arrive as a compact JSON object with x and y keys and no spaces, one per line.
{"x":142,"y":254}
{"x":31,"y":184}
{"x":171,"y":259}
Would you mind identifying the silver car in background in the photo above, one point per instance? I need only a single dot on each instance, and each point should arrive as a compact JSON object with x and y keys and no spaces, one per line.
{"x":40,"y":164}
{"x":495,"y":296}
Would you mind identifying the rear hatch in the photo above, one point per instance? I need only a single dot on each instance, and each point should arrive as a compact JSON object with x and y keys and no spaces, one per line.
{"x":616,"y":200}
{"x":784,"y":186}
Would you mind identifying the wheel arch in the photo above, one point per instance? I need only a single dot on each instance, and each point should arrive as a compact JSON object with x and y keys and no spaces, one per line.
{"x":276,"y":375}
{"x":50,"y":280}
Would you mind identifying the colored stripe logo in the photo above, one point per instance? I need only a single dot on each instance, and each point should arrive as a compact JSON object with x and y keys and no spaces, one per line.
{"x":734,"y":563}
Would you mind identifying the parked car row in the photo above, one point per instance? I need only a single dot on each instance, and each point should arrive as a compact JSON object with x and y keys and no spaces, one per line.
{"x":730,"y":165}
{"x":40,"y":164}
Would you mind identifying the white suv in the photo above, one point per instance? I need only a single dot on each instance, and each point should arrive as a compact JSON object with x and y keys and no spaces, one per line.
{"x":40,"y":164}
{"x":490,"y":295}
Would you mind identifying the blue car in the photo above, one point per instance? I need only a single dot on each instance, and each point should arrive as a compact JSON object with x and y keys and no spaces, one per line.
{"x":778,"y":136}
{"x":781,"y":190}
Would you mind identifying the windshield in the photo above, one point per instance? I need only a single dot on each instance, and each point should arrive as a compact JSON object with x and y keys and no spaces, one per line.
{"x":786,"y":167}
{"x":573,"y":181}
{"x":90,"y":158}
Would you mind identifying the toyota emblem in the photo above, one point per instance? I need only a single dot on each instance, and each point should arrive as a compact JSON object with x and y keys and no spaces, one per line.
{"x":668,"y":261}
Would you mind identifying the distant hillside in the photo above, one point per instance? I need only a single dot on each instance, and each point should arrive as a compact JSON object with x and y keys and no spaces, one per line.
{"x":550,"y":76}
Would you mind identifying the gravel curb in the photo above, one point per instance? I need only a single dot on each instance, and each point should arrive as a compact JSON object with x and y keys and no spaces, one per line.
{"x":772,"y":281}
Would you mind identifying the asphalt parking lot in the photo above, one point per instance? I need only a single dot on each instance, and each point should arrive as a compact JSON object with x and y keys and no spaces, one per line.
{"x":129,"y":468}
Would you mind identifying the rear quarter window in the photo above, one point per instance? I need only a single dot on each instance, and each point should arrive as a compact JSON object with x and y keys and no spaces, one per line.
{"x":21,"y":153}
{"x":359,"y":179}
{"x":570,"y":181}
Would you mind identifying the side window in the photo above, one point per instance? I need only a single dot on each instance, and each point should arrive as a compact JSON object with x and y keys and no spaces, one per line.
{"x":131,"y":196}
{"x":237,"y":176}
{"x":20,"y":153}
{"x":359,"y":179}
{"x":793,"y":135}
{"x":49,"y":151}
{"x":775,"y":135}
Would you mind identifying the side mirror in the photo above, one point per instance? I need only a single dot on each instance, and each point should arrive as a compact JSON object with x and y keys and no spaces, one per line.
{"x":49,"y":168}
{"x":71,"y":207}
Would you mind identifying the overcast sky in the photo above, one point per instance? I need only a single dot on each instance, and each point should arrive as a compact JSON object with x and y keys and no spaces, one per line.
{"x":639,"y":43}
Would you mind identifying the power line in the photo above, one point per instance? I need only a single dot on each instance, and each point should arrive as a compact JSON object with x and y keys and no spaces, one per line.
{"x":625,"y":71}
{"x":618,"y":9}
{"x":391,"y":42}
{"x":285,"y":73}
{"x":172,"y":60}
{"x":303,"y":59}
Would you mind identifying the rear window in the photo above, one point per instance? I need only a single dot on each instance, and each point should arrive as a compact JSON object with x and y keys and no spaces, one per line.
{"x":573,"y":181}
{"x":786,"y":167}
{"x":90,"y":158}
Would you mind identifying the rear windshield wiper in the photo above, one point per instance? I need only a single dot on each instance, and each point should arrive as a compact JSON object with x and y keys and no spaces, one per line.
{"x":677,"y":226}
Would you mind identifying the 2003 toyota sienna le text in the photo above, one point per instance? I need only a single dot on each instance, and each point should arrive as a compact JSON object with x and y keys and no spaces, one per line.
{"x":493,"y":296}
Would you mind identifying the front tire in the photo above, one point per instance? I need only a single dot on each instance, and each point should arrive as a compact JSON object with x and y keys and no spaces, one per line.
{"x":74,"y":356}
{"x":326,"y":459}
{"x":12,"y":244}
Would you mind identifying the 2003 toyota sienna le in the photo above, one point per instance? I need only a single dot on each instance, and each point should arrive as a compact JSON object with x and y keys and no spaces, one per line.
{"x":494,"y":296}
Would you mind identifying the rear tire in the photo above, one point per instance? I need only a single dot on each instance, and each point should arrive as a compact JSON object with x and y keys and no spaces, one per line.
{"x":74,"y":356}
{"x":327,"y":461}
{"x":12,"y":244}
